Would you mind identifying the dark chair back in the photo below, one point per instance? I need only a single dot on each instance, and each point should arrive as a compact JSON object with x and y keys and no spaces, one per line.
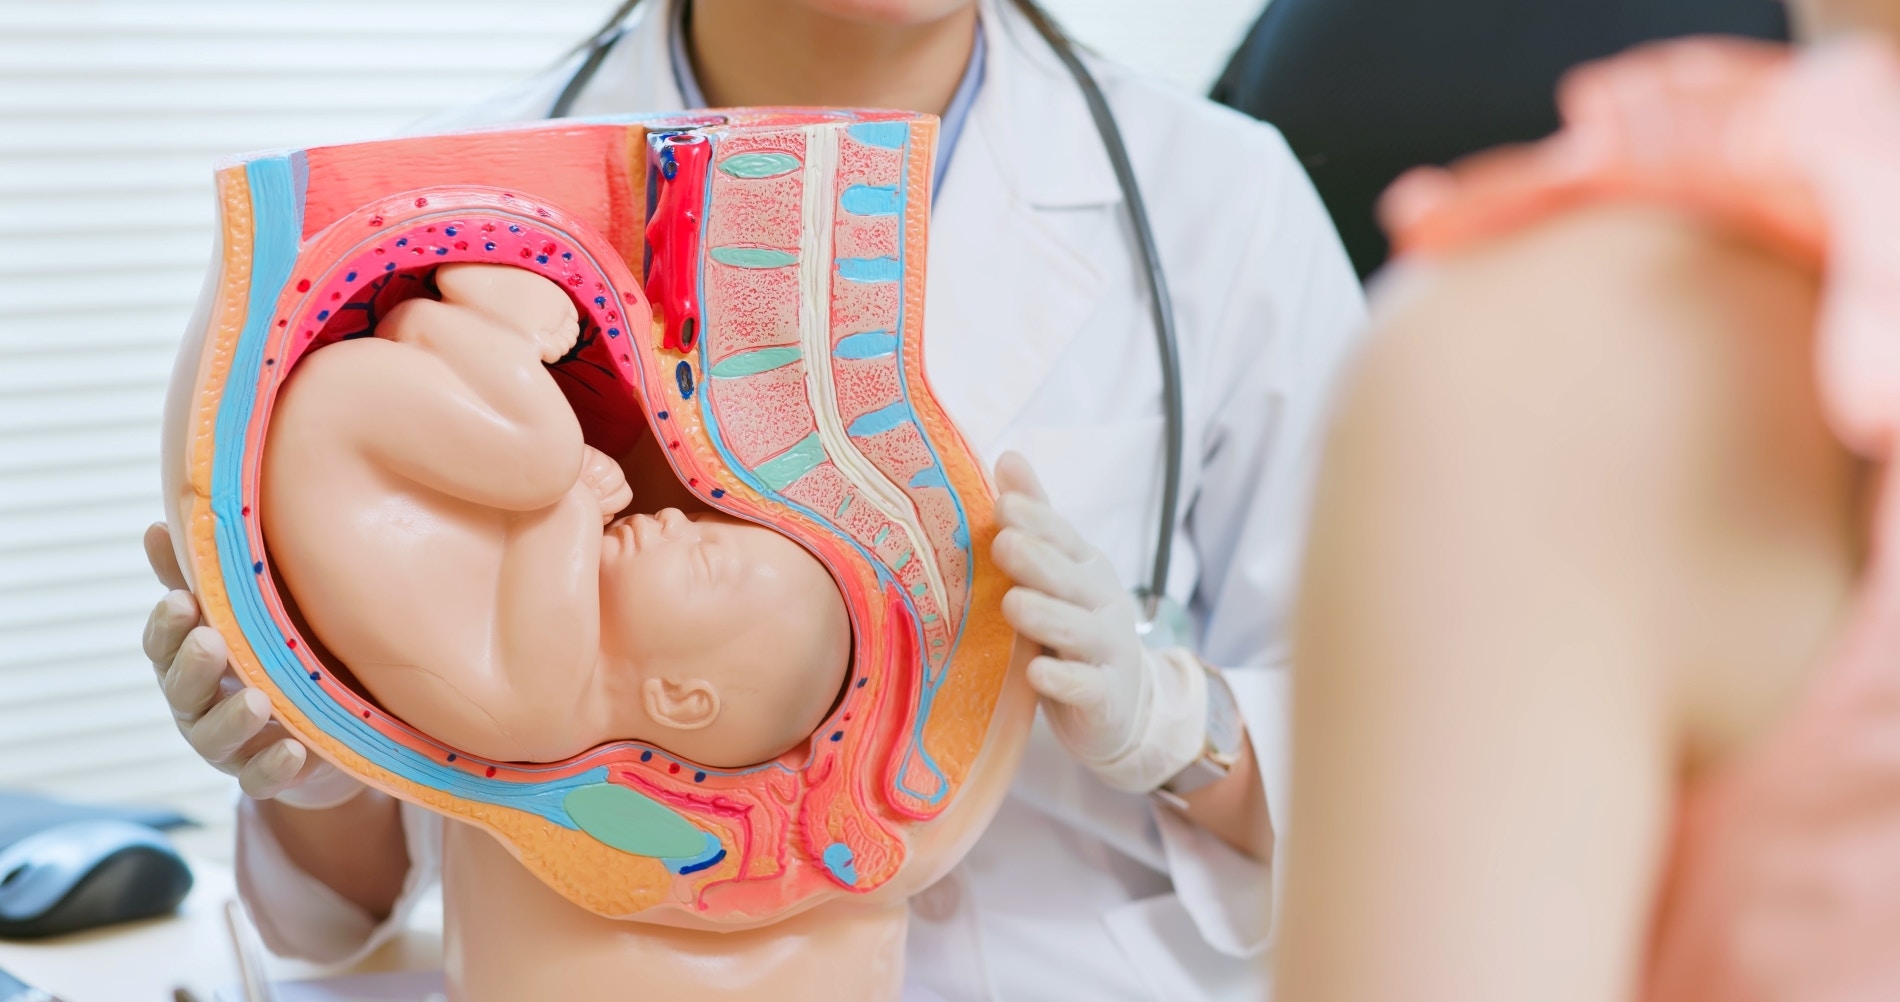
{"x":1363,"y":89}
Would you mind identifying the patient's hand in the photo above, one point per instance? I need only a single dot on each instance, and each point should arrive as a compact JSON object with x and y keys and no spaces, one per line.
{"x":604,"y":477}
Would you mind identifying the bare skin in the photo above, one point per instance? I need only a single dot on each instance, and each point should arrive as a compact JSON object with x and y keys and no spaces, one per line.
{"x":906,"y":54}
{"x":1582,"y":484}
{"x":1625,"y":584}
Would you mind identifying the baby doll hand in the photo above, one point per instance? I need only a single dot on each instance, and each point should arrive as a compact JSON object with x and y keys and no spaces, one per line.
{"x":608,"y":482}
{"x":227,"y":724}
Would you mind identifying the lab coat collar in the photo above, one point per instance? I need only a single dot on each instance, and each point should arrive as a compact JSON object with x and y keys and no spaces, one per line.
{"x":1013,"y":279}
{"x":1034,"y":107}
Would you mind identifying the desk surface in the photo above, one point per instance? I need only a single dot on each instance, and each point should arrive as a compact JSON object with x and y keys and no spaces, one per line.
{"x":145,"y":961}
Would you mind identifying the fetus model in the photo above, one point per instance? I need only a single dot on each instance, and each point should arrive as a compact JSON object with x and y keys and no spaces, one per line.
{"x":433,"y":508}
{"x":702,"y":748}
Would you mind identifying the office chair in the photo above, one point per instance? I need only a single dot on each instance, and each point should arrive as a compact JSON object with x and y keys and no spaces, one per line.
{"x":1363,"y":89}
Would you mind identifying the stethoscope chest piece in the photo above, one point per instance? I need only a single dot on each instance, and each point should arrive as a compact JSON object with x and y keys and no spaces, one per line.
{"x":1162,"y":623}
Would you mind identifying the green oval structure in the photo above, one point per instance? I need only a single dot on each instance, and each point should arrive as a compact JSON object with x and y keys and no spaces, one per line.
{"x":758,"y":165}
{"x":753,"y":257}
{"x":633,"y":822}
{"x":751,"y":363}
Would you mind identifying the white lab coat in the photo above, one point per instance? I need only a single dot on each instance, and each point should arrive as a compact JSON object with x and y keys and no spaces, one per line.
{"x":1039,"y":340}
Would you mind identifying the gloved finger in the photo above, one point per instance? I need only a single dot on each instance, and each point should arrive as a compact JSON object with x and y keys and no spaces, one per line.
{"x":272,"y":770}
{"x":1018,"y":511}
{"x":191,"y":684}
{"x":1066,"y":628}
{"x":1072,"y":683}
{"x":174,"y":616}
{"x":271,"y":733}
{"x":1014,"y":475}
{"x":227,"y":727}
{"x":1033,"y":562}
{"x":158,"y":552}
{"x":319,"y":786}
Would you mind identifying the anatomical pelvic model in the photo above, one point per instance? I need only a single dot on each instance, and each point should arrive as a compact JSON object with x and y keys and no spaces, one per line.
{"x":706,"y":753}
{"x":435,"y":513}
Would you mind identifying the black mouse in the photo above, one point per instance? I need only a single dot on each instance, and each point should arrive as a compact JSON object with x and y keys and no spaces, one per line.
{"x":87,"y":874}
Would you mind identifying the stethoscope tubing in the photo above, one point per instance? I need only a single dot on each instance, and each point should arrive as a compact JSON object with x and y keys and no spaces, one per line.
{"x":1160,"y":305}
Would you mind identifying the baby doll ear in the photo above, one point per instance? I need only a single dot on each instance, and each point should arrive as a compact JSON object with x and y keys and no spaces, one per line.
{"x":684,"y":706}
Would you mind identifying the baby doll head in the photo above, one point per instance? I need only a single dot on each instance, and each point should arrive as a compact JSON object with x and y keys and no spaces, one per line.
{"x":735,"y":636}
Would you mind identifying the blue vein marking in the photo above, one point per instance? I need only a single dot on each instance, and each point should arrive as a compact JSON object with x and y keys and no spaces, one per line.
{"x":930,"y":476}
{"x":902,"y":561}
{"x":881,"y":420}
{"x":869,"y":344}
{"x":889,"y":135}
{"x":784,"y":469}
{"x":751,"y":363}
{"x":868,"y":269}
{"x":708,"y":857}
{"x":842,"y":505}
{"x":708,"y":864}
{"x":869,"y":200}
{"x":882,"y":535}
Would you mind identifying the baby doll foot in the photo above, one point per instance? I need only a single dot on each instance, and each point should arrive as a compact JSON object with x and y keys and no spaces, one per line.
{"x":556,"y":340}
{"x":604,"y":477}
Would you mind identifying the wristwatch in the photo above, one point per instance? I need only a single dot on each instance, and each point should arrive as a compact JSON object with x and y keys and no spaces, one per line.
{"x":1226,"y":736}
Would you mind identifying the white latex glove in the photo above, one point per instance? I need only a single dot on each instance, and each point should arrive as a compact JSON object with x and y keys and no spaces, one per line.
{"x":227,"y":724}
{"x":1135,"y":716}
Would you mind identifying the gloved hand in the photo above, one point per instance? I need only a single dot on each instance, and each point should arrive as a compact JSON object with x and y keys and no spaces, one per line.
{"x":1135,"y":716}
{"x":227,"y":723}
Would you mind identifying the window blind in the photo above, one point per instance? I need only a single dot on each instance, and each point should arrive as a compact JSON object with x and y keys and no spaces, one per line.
{"x":111,"y":113}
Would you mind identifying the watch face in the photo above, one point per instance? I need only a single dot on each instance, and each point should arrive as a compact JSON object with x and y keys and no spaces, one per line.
{"x":1225,"y":729}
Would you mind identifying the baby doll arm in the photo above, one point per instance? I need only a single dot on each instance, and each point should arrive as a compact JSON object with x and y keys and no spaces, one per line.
{"x":448,"y":398}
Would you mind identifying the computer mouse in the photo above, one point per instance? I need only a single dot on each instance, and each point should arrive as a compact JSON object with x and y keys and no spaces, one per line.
{"x":87,"y":874}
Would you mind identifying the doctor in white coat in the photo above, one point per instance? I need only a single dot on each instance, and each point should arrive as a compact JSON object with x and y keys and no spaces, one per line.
{"x":1039,"y":342}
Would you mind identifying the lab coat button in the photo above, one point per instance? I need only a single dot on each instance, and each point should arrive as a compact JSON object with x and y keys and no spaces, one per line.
{"x":939,"y":901}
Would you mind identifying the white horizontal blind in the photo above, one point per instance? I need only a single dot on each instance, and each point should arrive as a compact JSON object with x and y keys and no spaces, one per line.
{"x":111,"y":113}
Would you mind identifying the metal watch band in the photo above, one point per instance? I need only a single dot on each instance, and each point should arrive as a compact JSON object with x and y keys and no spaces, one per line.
{"x":1225,"y":732}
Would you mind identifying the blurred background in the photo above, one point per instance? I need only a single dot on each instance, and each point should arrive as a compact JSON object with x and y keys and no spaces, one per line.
{"x":111,"y":114}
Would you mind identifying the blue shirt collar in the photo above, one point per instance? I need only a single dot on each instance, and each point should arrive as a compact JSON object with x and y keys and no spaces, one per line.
{"x":953,"y":117}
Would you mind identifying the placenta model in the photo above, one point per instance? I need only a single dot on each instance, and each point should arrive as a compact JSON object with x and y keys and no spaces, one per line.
{"x":430,"y":502}
{"x":580,"y":483}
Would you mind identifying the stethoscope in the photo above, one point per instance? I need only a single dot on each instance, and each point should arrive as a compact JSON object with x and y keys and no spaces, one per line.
{"x":1164,"y":623}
